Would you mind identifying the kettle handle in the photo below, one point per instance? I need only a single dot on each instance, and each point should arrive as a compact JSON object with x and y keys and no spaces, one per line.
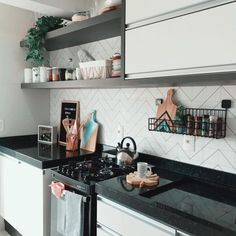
{"x":128,"y":137}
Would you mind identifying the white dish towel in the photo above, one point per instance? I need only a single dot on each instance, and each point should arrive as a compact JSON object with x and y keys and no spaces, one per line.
{"x":69,"y":214}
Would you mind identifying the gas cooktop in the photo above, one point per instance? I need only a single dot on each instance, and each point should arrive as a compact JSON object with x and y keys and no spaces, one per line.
{"x":83,"y":175}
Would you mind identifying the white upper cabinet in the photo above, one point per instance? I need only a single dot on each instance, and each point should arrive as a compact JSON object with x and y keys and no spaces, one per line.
{"x":138,"y":10}
{"x":201,"y":42}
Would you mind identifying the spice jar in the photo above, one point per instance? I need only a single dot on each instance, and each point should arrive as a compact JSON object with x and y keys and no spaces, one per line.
{"x":219,"y":127}
{"x":189,"y":124}
{"x":212,"y":126}
{"x":55,"y":74}
{"x":116,"y":65}
{"x":205,"y":125}
{"x":49,"y":74}
{"x":197,"y":125}
{"x":70,"y":74}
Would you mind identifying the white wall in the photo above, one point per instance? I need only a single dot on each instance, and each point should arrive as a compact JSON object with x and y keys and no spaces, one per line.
{"x":21,"y":110}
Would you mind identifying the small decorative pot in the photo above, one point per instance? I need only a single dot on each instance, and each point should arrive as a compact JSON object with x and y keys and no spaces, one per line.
{"x":27,"y":75}
{"x":35,"y":74}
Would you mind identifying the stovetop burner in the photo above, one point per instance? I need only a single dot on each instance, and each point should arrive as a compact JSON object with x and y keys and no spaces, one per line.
{"x":95,"y":170}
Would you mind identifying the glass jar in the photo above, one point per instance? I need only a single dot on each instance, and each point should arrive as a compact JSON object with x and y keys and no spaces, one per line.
{"x":70,"y":74}
{"x":49,"y":74}
{"x":55,"y":74}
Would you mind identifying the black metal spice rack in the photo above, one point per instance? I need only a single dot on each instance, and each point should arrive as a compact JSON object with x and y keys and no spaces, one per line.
{"x":182,"y":124}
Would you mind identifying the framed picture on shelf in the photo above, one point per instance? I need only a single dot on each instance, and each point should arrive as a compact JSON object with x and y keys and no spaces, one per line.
{"x":70,"y":113}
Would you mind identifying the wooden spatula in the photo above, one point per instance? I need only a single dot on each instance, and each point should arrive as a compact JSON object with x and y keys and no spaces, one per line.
{"x":167,"y":106}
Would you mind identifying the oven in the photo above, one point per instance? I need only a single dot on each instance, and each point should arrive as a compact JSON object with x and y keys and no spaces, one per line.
{"x":80,"y":177}
{"x":88,"y":209}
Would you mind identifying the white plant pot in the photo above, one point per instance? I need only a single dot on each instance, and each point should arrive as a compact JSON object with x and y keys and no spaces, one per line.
{"x":27,"y":75}
{"x":35,"y":74}
{"x":43,"y":74}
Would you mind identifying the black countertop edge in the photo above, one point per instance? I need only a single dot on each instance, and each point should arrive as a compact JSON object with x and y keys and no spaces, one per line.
{"x":163,"y":214}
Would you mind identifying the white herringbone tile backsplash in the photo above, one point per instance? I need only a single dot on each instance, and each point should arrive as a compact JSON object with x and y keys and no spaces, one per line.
{"x":131,"y":108}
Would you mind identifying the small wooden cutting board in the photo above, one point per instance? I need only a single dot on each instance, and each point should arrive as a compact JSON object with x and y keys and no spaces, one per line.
{"x":149,"y":181}
{"x":167,"y":106}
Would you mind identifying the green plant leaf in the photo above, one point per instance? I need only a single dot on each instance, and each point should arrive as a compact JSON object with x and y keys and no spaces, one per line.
{"x":35,"y":38}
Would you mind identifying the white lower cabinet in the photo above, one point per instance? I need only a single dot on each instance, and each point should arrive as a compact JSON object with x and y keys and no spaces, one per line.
{"x":24,"y":197}
{"x":114,"y":219}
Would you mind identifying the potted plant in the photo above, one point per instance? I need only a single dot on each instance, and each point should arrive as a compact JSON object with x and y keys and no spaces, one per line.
{"x":34,"y":43}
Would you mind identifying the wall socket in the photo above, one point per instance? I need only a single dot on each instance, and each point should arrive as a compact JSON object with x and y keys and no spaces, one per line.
{"x":120,"y":133}
{"x":189,"y":143}
{"x":1,"y":125}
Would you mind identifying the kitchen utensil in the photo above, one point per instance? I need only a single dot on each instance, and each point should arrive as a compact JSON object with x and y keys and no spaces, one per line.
{"x":72,"y":134}
{"x":89,"y":130}
{"x":124,"y":155}
{"x":149,"y":181}
{"x":167,"y":106}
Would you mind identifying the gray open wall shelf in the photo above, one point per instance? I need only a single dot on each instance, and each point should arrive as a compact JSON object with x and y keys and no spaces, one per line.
{"x":109,"y":25}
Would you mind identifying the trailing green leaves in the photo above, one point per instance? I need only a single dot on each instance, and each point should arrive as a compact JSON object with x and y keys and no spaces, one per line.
{"x":35,"y":38}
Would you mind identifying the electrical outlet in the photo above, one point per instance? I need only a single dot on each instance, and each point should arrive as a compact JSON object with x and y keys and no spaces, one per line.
{"x":1,"y":125}
{"x":159,"y":101}
{"x":189,"y":143}
{"x":120,"y":133}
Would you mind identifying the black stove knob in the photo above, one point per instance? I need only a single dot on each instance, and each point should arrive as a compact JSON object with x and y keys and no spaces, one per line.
{"x":60,"y":168}
{"x":68,"y":172}
{"x":74,"y":174}
{"x":63,"y":169}
{"x":72,"y":166}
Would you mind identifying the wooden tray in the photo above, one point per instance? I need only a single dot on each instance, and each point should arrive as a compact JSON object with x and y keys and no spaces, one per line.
{"x":149,"y":181}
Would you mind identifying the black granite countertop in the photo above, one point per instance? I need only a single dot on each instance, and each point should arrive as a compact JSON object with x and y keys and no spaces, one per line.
{"x":27,"y":149}
{"x":196,"y":200}
{"x":185,"y":199}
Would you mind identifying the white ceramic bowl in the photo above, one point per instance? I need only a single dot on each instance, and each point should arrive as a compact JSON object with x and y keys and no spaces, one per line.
{"x":109,"y":3}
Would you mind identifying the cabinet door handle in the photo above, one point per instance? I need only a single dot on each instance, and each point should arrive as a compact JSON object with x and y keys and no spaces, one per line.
{"x":107,"y":230}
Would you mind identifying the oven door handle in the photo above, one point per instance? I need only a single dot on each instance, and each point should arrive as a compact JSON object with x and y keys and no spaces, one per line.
{"x":85,"y":198}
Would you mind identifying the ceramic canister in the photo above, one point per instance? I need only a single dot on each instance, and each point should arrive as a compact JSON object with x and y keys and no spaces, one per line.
{"x":35,"y":74}
{"x":43,"y":74}
{"x":27,"y":75}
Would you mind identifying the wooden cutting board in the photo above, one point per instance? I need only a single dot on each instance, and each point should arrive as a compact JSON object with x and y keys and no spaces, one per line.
{"x":89,"y":132}
{"x":167,"y":106}
{"x":133,"y":179}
